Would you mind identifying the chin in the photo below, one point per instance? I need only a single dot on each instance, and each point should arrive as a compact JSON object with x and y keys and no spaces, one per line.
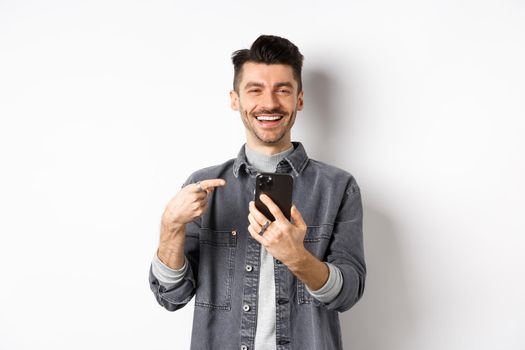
{"x":274,"y":140}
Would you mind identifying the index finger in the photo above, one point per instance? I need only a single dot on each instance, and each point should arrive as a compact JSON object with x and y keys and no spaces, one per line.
{"x":210,"y":184}
{"x":274,"y":209}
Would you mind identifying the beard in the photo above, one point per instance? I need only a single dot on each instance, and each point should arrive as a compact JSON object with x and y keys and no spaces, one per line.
{"x":249,"y":121}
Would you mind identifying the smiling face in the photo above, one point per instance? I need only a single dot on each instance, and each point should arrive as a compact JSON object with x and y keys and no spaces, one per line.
{"x":268,"y":101}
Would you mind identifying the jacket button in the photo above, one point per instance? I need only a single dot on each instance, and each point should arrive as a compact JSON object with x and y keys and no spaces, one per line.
{"x":278,"y":262}
{"x":244,"y":347}
{"x":246,"y":307}
{"x":282,"y":301}
{"x":249,"y":268}
{"x":234,"y":232}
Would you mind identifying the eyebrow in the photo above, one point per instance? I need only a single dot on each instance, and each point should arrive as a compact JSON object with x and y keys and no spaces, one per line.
{"x":257,"y":84}
{"x":253,"y":84}
{"x":284,"y":84}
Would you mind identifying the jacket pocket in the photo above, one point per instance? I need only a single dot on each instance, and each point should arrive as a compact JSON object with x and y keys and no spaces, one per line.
{"x":216,"y":268}
{"x":316,"y":241}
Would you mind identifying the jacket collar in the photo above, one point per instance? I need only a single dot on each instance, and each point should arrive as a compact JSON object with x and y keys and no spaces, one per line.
{"x":295,"y":162}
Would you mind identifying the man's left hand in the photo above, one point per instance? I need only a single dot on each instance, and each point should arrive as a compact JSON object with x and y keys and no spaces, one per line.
{"x":283,"y":239}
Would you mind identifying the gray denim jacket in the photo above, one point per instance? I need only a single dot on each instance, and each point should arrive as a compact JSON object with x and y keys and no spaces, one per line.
{"x":224,"y":260}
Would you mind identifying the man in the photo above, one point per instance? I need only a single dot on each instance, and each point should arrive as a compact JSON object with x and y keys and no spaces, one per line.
{"x":260,"y":284}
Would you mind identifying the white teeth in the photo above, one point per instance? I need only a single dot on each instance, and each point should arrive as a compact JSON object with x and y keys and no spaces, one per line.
{"x":267,"y":117}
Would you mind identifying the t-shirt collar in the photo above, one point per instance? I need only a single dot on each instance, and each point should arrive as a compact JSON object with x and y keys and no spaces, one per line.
{"x":295,"y":162}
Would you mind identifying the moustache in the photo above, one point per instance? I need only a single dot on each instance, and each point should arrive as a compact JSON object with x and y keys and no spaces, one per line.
{"x":269,"y":111}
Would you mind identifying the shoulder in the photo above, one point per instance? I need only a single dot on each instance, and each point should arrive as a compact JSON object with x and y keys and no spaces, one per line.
{"x":333,"y":175}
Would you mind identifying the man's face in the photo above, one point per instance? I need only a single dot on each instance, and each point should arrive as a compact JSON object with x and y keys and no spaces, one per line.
{"x":268,"y":101}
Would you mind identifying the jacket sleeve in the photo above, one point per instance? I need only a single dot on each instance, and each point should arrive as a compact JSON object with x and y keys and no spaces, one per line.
{"x":174,"y":296}
{"x":346,"y":249}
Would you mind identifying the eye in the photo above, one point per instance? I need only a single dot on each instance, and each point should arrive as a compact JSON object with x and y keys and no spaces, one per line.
{"x":283,"y":91}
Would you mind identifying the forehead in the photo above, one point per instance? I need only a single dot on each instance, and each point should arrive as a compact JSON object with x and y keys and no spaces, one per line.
{"x":267,"y":74}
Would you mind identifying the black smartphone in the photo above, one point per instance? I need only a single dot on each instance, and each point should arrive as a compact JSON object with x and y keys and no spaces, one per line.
{"x":278,"y":187}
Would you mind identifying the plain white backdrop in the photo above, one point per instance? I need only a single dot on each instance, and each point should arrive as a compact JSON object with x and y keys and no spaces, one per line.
{"x":107,"y":106}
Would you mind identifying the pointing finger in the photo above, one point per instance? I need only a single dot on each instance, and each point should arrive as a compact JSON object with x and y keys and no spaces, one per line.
{"x":209,"y":185}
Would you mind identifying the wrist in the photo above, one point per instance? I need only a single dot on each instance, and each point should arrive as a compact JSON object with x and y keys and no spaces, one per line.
{"x":171,"y":219}
{"x":310,"y":270}
{"x":172,"y":227}
{"x":171,"y":256}
{"x":298,"y":260}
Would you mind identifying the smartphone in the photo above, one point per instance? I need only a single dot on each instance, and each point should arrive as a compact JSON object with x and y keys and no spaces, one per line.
{"x":277,"y":186}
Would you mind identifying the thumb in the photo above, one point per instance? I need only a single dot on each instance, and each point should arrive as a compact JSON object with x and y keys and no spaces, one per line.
{"x":297,"y":217}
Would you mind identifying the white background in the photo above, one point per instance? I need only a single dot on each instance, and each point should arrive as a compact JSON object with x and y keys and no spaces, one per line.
{"x":107,"y":106}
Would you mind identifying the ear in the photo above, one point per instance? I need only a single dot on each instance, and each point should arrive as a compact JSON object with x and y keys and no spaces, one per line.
{"x":300,"y":101}
{"x":234,"y":100}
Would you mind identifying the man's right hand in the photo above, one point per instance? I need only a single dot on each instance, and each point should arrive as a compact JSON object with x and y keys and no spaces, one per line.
{"x":188,"y":204}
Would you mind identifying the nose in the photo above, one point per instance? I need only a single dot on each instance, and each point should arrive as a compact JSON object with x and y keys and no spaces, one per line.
{"x":270,"y":100}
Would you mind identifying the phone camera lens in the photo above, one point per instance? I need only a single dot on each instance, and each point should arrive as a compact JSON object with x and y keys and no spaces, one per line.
{"x":265,"y":183}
